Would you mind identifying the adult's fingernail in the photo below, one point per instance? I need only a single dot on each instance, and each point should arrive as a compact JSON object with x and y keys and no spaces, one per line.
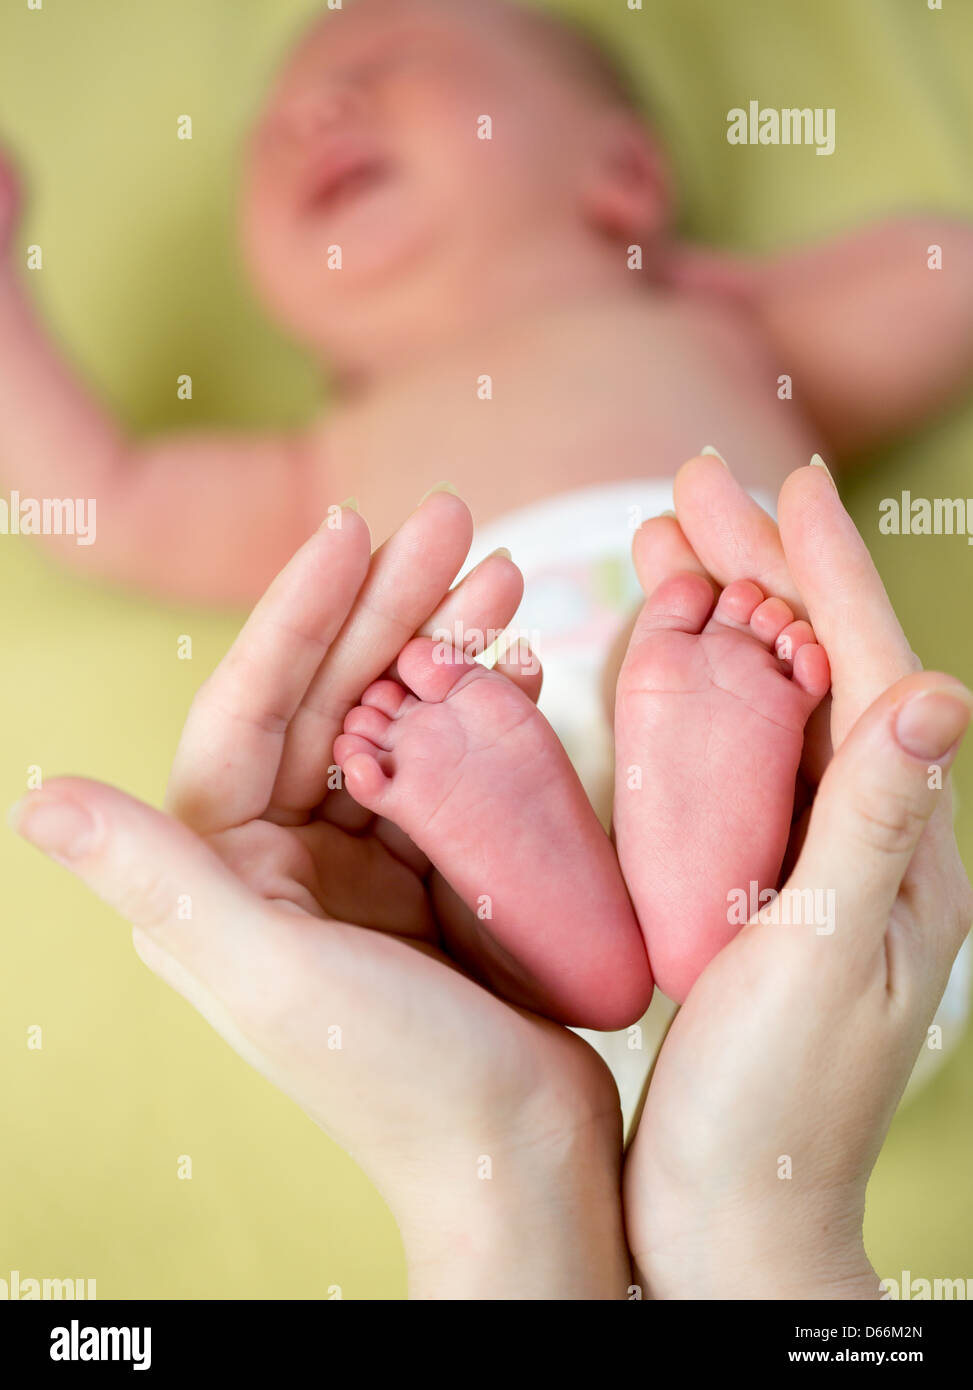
{"x":440,"y":487}
{"x":709,"y":452}
{"x":929,"y":724}
{"x":57,"y":826}
{"x":501,"y":553}
{"x":818,"y":462}
{"x":332,"y":520}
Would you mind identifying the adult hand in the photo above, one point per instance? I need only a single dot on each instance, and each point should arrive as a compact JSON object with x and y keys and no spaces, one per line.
{"x":776,"y":1085}
{"x":302,"y":930}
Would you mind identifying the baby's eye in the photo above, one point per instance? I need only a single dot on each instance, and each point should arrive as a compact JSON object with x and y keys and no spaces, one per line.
{"x":419,"y":50}
{"x":408,"y":54}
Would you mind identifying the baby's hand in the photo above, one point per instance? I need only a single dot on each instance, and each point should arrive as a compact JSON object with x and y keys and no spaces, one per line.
{"x":10,"y":199}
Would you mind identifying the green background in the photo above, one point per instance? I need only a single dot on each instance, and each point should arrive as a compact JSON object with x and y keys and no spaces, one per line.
{"x":141,"y":283}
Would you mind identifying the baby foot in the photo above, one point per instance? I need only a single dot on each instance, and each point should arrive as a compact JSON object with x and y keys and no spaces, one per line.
{"x":709,"y":730}
{"x":532,"y":900}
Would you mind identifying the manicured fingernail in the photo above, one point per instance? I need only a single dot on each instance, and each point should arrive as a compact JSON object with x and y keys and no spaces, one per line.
{"x":818,"y":462}
{"x":440,"y":487}
{"x":709,"y":452}
{"x":501,"y":551}
{"x":672,"y":514}
{"x":59,"y":827}
{"x":332,"y":520}
{"x":929,"y":724}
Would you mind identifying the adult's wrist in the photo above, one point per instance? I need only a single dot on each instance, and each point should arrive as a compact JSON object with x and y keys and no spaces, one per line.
{"x":538,"y":1219}
{"x":822,"y":1257}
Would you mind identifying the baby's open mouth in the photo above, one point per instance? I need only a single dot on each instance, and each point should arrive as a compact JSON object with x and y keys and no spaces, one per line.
{"x":340,"y":178}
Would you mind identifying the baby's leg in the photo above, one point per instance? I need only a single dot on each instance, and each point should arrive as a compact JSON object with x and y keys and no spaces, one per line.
{"x":461,"y":760}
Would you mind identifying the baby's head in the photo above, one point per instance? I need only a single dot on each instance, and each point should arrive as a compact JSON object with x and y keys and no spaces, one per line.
{"x":373,"y":141}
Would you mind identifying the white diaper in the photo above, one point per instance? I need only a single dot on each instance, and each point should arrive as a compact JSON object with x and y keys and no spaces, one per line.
{"x":581,"y":591}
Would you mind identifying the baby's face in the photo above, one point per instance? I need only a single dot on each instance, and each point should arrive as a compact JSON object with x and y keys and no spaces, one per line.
{"x":369,"y":142}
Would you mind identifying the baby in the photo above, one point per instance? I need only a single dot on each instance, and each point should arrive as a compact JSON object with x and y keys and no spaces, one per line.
{"x":457,"y":207}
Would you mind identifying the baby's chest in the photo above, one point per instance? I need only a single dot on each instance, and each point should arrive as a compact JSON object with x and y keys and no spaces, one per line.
{"x":513,"y":425}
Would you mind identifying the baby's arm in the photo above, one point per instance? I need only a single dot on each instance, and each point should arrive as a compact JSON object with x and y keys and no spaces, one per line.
{"x":201,"y":516}
{"x":874,"y":339}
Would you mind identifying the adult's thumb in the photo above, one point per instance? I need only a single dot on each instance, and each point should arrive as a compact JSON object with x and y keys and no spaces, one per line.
{"x":877,"y":796}
{"x":153,"y":870}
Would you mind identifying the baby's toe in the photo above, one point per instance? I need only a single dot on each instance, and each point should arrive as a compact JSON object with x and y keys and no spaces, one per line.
{"x":366,"y":769}
{"x":812,"y":670}
{"x":792,"y":638}
{"x":681,"y":603}
{"x":737,"y":604}
{"x":432,"y":669}
{"x":391,"y":698}
{"x":371,"y":724}
{"x":769,"y":619}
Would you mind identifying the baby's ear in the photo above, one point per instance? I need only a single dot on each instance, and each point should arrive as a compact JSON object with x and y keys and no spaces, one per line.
{"x":626,"y":187}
